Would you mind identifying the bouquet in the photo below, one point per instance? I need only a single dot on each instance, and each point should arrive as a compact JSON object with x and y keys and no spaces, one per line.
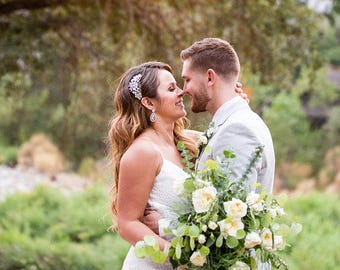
{"x":221,"y":223}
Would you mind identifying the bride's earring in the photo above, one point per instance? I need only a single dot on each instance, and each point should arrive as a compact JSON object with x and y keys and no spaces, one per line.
{"x":153,"y":115}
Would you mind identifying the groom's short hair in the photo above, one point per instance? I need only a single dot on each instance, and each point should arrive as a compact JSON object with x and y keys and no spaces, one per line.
{"x":214,"y":53}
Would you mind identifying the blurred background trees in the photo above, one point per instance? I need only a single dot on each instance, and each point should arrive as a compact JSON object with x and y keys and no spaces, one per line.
{"x":60,"y":61}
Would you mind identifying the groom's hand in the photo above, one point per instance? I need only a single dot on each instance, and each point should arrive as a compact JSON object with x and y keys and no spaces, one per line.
{"x":151,"y":218}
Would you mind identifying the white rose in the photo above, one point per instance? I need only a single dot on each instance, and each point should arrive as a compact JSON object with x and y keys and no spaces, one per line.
{"x":254,"y":202}
{"x":267,"y":239}
{"x":201,"y":239}
{"x":203,"y":198}
{"x":203,"y":139}
{"x":235,"y":208}
{"x":252,"y":239}
{"x":231,"y":227}
{"x":212,"y":225}
{"x":239,"y":266}
{"x":280,"y":211}
{"x":278,"y":242}
{"x":272,"y":212}
{"x":179,"y":186}
{"x":197,"y":259}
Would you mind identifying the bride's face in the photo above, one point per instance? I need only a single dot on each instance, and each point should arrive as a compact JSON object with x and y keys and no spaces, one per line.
{"x":169,"y":104}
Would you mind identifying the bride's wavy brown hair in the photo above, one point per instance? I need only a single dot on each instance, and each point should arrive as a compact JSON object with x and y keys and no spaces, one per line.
{"x":132,"y":118}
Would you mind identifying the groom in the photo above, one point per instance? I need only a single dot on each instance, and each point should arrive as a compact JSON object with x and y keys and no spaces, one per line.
{"x":210,"y":71}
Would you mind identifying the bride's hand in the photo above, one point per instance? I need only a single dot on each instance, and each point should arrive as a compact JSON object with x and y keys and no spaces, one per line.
{"x":239,"y":90}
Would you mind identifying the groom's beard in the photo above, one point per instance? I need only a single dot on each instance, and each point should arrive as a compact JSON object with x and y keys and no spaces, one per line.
{"x":200,"y":100}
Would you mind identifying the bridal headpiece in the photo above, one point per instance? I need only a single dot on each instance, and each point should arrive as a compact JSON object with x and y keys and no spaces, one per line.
{"x":135,"y":86}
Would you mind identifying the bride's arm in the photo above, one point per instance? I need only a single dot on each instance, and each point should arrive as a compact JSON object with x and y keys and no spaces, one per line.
{"x":136,"y":179}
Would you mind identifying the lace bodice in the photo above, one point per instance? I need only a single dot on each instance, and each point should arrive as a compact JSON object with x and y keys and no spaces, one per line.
{"x":162,"y":198}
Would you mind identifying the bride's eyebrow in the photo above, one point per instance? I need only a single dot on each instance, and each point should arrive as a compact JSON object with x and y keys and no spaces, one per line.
{"x":173,"y":84}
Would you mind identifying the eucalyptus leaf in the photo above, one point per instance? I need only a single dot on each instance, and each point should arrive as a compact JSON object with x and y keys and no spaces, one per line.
{"x":240,"y":234}
{"x":204,"y":251}
{"x":178,"y":251}
{"x":232,"y":242}
{"x":150,"y":240}
{"x":158,"y":257}
{"x":194,"y":231}
{"x":211,"y":164}
{"x":219,"y":241}
{"x":192,"y":243}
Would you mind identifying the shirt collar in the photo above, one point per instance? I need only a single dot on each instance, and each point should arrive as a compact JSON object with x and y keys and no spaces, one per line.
{"x":225,"y":111}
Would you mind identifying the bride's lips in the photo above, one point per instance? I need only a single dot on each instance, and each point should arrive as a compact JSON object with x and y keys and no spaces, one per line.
{"x":180,"y":103}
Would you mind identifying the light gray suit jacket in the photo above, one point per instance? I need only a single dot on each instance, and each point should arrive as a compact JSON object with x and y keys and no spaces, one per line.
{"x":239,"y":129}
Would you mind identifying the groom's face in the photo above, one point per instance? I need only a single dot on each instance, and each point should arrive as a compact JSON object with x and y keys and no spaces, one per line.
{"x":195,"y":87}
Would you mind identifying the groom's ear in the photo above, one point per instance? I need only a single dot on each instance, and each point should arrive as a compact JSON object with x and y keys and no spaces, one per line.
{"x":211,"y":76}
{"x":147,"y":103}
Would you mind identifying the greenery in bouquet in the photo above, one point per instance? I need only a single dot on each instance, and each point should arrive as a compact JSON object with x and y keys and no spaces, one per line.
{"x":222,"y":222}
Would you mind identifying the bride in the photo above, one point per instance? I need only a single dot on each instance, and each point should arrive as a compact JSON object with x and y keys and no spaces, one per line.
{"x":148,"y":123}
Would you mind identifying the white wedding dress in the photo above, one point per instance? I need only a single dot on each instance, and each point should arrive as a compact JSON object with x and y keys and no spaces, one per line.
{"x":162,"y":199}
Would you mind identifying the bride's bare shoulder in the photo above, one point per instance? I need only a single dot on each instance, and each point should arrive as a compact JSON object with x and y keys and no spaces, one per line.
{"x":142,"y":151}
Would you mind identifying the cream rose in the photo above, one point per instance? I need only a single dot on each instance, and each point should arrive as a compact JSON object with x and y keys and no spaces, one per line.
{"x":272,"y":212}
{"x":267,"y":239}
{"x":280,"y":211}
{"x":201,"y":239}
{"x":254,"y":202}
{"x":235,"y":208}
{"x":212,"y":225}
{"x":231,"y":227}
{"x":197,"y":259}
{"x":203,"y":198}
{"x":203,"y":139}
{"x":252,"y":239}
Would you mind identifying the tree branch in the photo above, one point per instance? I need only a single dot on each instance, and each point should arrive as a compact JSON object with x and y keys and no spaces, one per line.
{"x":12,"y":6}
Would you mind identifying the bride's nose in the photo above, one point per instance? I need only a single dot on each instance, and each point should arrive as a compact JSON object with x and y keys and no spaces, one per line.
{"x":179,"y":91}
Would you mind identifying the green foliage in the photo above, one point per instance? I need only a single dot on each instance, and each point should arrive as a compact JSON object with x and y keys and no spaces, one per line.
{"x":317,"y":246}
{"x":46,"y":230}
{"x":317,"y":243}
{"x":292,"y":136}
{"x":69,"y":60}
{"x":332,"y":128}
{"x":334,"y":56}
{"x":315,"y":83}
{"x":8,"y":154}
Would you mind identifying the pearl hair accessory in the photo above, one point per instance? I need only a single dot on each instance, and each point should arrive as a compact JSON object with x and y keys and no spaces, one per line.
{"x":135,"y":87}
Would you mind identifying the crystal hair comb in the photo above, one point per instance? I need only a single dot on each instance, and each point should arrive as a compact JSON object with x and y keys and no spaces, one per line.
{"x":135,"y":87}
